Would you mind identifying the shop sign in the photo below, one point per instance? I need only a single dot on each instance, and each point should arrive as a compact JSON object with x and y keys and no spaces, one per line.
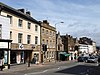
{"x":3,"y":44}
{"x":21,"y":46}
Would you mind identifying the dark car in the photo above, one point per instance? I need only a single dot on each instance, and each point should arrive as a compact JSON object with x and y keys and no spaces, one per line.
{"x":86,"y":59}
{"x":99,"y":61}
{"x":82,"y":59}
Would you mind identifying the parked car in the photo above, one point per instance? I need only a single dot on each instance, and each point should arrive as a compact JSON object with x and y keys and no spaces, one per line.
{"x":82,"y":58}
{"x":98,"y":61}
{"x":86,"y":58}
{"x":92,"y":59}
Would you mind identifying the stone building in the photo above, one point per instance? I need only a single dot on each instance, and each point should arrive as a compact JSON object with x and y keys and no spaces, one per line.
{"x":69,"y":46}
{"x":48,"y":38}
{"x":60,"y":46}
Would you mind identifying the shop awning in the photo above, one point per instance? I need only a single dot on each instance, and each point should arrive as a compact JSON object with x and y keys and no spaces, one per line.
{"x":65,"y":54}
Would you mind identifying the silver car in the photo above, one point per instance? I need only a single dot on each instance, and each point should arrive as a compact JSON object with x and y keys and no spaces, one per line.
{"x":92,"y":60}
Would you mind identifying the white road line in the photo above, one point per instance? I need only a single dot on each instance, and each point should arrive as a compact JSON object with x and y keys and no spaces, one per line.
{"x":42,"y":71}
{"x":45,"y":71}
{"x":58,"y":67}
{"x":36,"y":72}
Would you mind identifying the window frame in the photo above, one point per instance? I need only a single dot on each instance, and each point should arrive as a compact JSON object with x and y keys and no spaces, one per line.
{"x":28,"y":39}
{"x":9,"y":16}
{"x":36,"y":39}
{"x":28,"y":25}
{"x":20,"y":23}
{"x":21,"y":38}
{"x":36,"y":28}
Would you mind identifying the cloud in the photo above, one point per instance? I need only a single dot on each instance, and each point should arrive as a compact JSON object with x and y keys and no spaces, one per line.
{"x":79,"y":17}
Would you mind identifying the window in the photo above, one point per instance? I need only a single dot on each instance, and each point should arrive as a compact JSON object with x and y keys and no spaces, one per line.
{"x":20,"y":23}
{"x":10,"y":34}
{"x":10,"y":18}
{"x":20,"y":35}
{"x":36,"y":40}
{"x":43,"y":31}
{"x":47,"y":42}
{"x":50,"y":33}
{"x":36,"y":28}
{"x":50,"y":43}
{"x":53,"y":33}
{"x":0,"y":31}
{"x":47,"y":32}
{"x":28,"y":39}
{"x":29,"y":25}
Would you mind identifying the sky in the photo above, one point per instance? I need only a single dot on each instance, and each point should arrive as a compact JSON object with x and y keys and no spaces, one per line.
{"x":80,"y":17}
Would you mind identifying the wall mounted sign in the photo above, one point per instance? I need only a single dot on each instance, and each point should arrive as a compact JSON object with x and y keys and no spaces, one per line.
{"x":3,"y":44}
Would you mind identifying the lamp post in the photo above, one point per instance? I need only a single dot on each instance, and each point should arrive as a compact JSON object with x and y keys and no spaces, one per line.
{"x":56,"y":42}
{"x":58,"y":23}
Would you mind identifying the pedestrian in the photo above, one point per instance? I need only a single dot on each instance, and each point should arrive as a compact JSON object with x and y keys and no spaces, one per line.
{"x":2,"y":63}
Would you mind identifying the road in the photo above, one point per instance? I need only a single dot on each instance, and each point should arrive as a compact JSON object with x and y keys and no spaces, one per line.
{"x":71,"y":68}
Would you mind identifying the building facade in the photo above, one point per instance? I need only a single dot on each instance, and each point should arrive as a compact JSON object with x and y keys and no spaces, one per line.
{"x":60,"y":47}
{"x":69,"y":46}
{"x":87,"y":46}
{"x":48,"y":38}
{"x":25,"y":33}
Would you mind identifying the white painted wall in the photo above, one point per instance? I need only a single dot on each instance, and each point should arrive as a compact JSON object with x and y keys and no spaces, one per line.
{"x":5,"y":22}
{"x":86,"y":48}
{"x":83,"y":48}
{"x":90,"y":49}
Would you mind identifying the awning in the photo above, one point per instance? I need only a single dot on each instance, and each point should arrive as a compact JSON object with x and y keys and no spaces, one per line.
{"x":65,"y":54}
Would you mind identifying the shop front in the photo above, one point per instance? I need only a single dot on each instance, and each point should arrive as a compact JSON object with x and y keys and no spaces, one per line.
{"x":21,"y":54}
{"x":5,"y":52}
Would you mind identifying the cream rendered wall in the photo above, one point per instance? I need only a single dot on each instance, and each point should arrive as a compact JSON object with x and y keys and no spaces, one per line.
{"x":15,"y":30}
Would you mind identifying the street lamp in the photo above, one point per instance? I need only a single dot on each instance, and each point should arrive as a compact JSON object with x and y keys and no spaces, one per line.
{"x":58,"y":23}
{"x":56,"y":42}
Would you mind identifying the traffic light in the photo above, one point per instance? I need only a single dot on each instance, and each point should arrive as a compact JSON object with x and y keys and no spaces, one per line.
{"x":44,"y":47}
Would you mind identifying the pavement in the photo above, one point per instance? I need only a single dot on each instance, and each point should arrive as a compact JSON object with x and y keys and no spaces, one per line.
{"x":21,"y":67}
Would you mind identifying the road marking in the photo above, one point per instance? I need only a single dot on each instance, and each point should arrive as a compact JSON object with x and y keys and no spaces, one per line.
{"x":58,"y":67}
{"x":36,"y":72}
{"x":45,"y":71}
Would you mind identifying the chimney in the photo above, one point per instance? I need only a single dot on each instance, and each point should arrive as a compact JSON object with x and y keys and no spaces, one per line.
{"x":21,"y":10}
{"x":46,"y":22}
{"x":28,"y":13}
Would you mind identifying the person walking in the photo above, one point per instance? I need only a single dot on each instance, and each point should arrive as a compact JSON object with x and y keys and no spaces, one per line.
{"x":1,"y":63}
